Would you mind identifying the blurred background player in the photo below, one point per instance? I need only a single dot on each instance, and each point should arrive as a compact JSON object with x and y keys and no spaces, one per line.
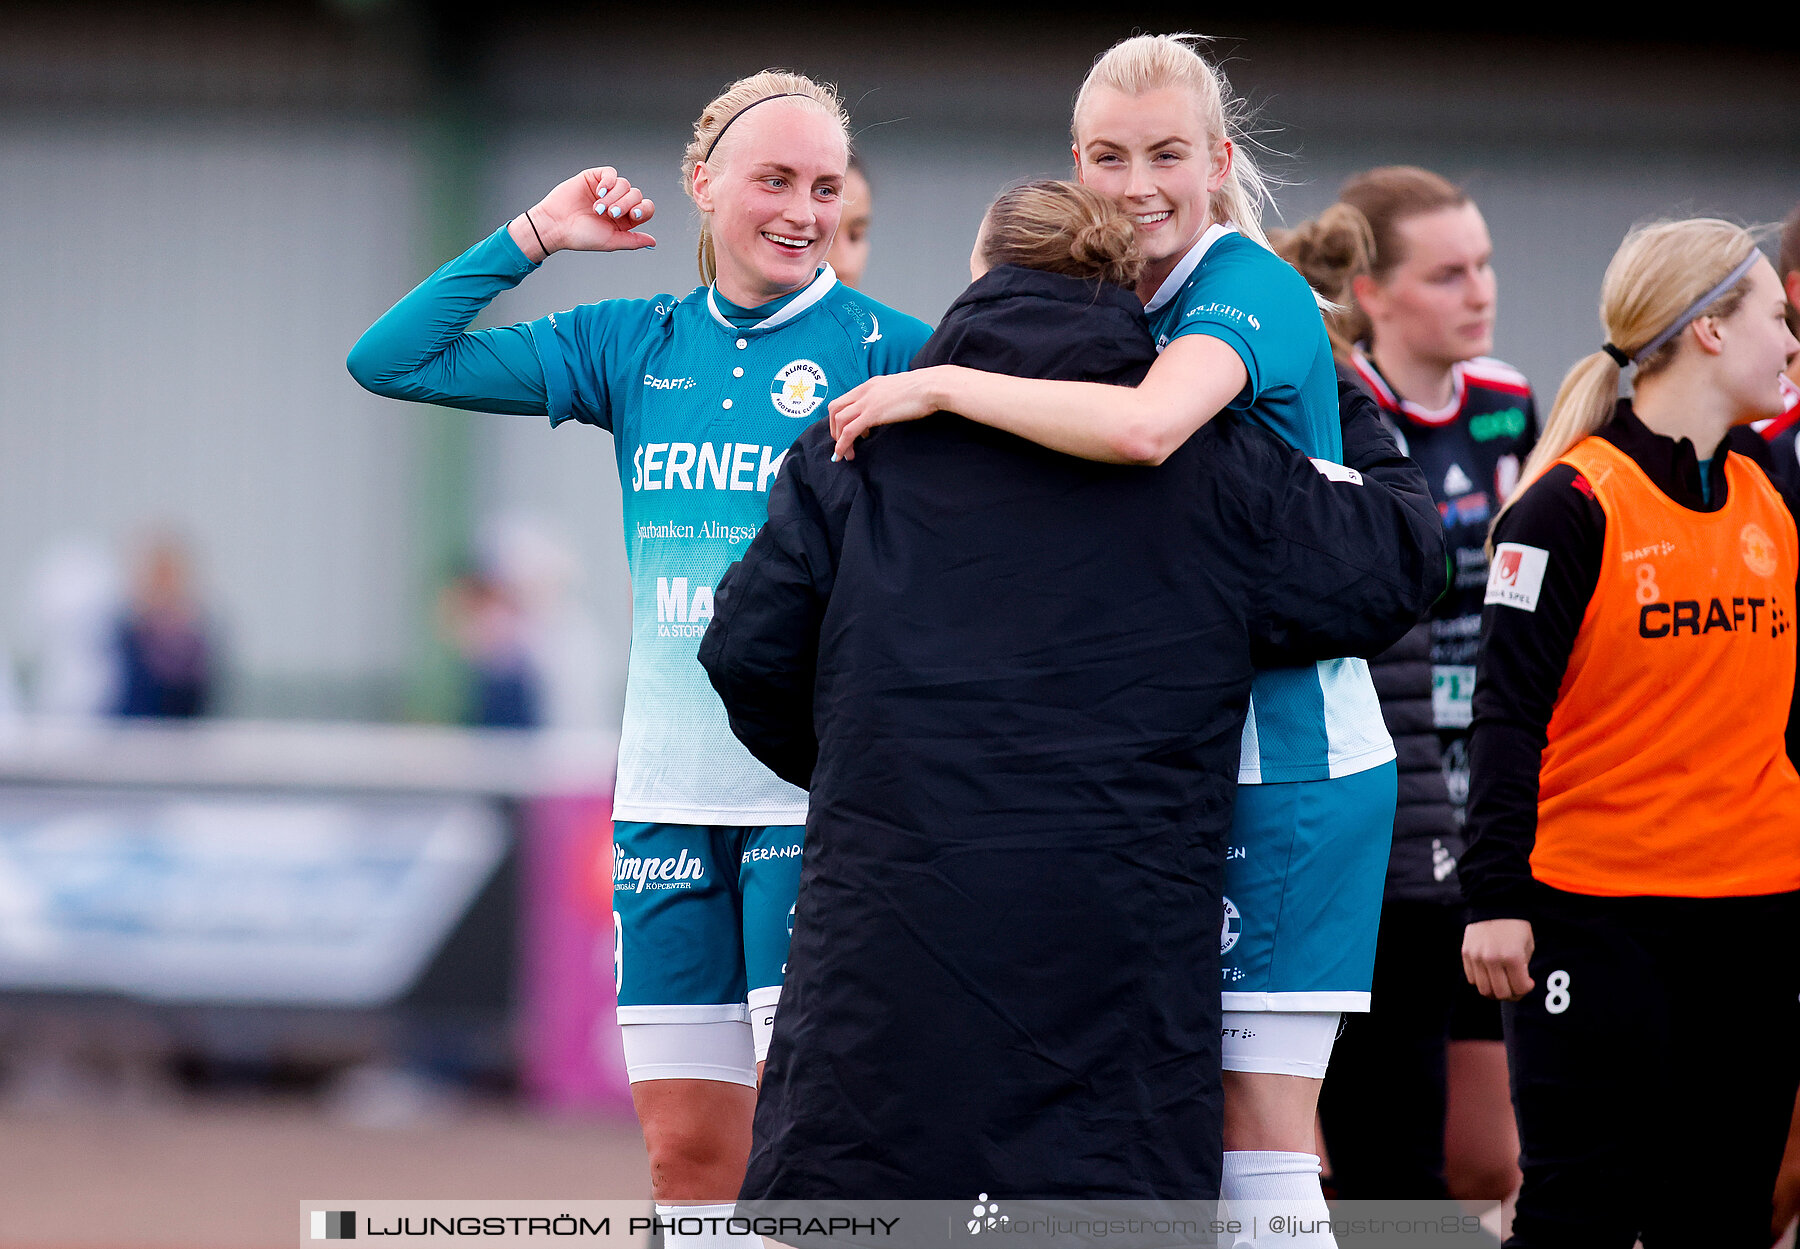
{"x":1406,"y":256}
{"x":1630,"y":792}
{"x":1156,"y":127}
{"x":167,"y":654}
{"x":703,"y":396}
{"x":849,"y":254}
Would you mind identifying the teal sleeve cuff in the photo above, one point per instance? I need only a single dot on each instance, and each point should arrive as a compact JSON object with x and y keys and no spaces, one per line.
{"x":502,"y":241}
{"x":559,"y":385}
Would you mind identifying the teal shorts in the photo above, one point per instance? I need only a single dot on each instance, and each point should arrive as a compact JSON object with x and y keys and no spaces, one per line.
{"x":1305,"y":865}
{"x":701,"y":919}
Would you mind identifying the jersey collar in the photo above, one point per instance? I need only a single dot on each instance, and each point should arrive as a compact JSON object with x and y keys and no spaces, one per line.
{"x":1185,"y":269}
{"x":1385,"y":396}
{"x":822,"y":282}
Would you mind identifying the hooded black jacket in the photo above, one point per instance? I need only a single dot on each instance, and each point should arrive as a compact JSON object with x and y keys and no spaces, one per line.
{"x":1015,"y":683}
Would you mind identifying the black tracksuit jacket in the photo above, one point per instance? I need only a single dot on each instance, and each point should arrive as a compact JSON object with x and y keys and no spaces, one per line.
{"x":1014,"y":682}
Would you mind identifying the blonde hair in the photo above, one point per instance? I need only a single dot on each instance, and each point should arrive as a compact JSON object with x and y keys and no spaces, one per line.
{"x":724,"y":110}
{"x":1330,"y":251}
{"x":1147,"y":63}
{"x":1062,"y":227}
{"x":1656,"y":275}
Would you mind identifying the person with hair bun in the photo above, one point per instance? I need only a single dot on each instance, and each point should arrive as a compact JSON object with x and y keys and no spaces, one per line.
{"x":1015,"y":683}
{"x":703,"y":395}
{"x":1157,"y":129}
{"x":1415,"y":1105}
{"x":1633,"y":874}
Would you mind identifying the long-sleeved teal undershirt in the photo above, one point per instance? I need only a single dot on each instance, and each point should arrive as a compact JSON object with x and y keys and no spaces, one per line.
{"x":703,"y":399}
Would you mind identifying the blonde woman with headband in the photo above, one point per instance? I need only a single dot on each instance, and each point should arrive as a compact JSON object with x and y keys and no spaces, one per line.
{"x":1157,"y":129}
{"x":703,"y":396}
{"x":1633,"y":873}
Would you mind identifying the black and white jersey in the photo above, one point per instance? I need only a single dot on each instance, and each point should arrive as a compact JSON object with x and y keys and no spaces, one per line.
{"x":1471,"y":450}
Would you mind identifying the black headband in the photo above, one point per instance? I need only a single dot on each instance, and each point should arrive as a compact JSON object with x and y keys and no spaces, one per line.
{"x":711,"y":147}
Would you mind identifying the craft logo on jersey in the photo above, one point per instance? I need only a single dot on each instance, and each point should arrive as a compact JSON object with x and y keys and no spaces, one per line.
{"x":799,"y":389}
{"x":1759,"y":549}
{"x":1518,"y":575}
{"x":1232,"y":929}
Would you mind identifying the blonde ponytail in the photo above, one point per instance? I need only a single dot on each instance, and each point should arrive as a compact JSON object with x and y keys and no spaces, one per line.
{"x":724,"y":110}
{"x":1654,"y":279}
{"x":1146,"y":63}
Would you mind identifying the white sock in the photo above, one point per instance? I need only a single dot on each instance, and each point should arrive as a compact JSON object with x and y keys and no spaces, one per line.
{"x":1260,"y":1185}
{"x":703,"y":1227}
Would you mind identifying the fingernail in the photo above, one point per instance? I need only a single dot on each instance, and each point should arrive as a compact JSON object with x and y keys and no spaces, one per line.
{"x":615,"y":210}
{"x":600,"y":206}
{"x":637,"y":214}
{"x":834,"y":457}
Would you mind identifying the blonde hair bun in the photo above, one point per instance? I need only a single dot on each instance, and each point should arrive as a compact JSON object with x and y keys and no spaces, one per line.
{"x":1062,"y":227}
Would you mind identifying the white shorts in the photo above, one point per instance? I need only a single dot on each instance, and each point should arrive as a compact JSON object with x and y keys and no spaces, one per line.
{"x":1287,"y":1042}
{"x":721,"y":1050}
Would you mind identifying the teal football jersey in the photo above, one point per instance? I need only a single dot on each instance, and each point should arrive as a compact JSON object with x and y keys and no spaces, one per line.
{"x":1320,"y":721}
{"x":702,"y":414}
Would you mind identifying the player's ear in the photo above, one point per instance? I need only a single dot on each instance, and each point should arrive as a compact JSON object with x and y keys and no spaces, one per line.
{"x":703,"y":187}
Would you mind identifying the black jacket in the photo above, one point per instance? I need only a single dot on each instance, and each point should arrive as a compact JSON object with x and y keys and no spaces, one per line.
{"x":1015,"y":683}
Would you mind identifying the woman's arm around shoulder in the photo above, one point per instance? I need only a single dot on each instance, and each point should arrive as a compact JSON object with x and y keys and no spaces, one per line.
{"x":1353,"y":555}
{"x":1190,"y":383}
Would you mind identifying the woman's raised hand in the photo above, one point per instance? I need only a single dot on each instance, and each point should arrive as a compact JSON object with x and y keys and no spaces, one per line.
{"x":884,"y":400}
{"x":595,"y":211}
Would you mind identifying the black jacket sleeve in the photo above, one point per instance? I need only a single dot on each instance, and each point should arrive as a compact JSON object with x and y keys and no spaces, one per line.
{"x":1524,"y":655}
{"x":761,"y":650}
{"x":1354,"y":559}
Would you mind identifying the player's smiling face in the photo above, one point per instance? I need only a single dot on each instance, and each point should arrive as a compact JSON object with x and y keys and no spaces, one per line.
{"x":1755,"y":347}
{"x":775,"y":191}
{"x":1152,"y":156}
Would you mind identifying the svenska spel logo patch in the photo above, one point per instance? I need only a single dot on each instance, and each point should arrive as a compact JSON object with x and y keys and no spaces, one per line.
{"x":799,"y":388}
{"x":1518,"y":575}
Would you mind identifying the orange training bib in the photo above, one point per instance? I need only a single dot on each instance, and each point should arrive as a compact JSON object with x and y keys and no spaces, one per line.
{"x":1665,"y":772}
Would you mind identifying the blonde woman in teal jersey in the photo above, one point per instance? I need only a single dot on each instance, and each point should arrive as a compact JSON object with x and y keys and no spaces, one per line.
{"x":1239,"y":332}
{"x":703,"y":396}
